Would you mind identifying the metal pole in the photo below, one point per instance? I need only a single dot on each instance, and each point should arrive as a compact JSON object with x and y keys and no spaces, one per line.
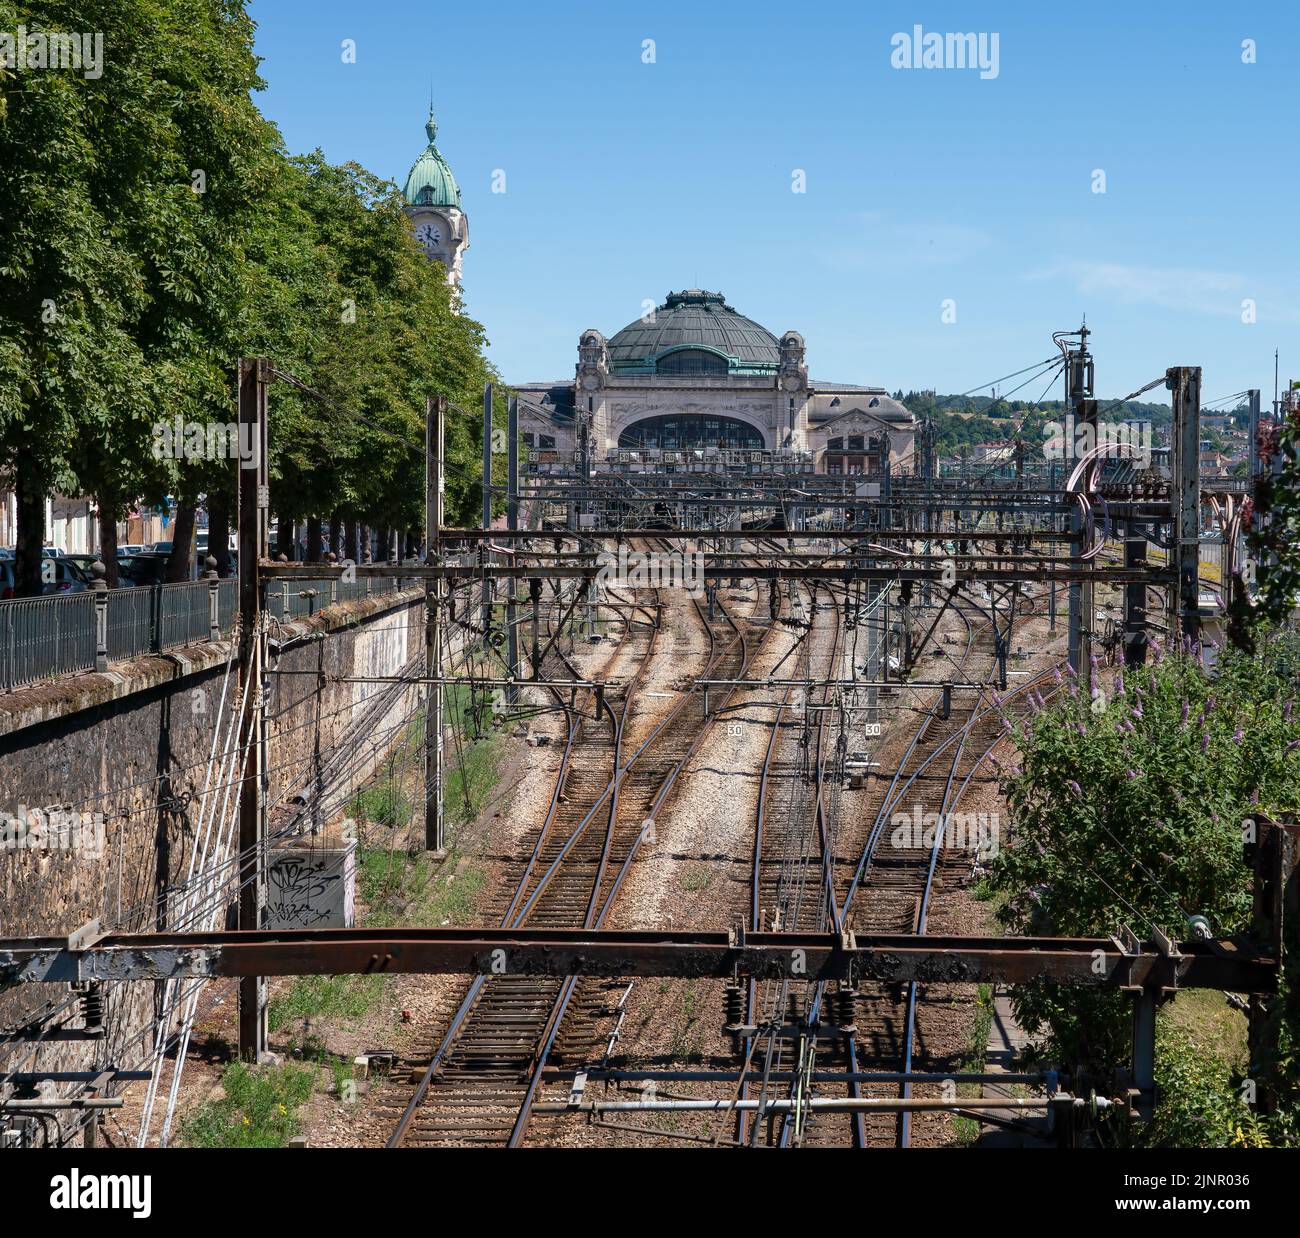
{"x":487,"y":498}
{"x":1078,"y":378}
{"x":1135,"y":602}
{"x":434,"y":494}
{"x":512,"y":522}
{"x":1184,"y":600}
{"x":1254,"y":435}
{"x":254,"y":503}
{"x":1051,"y":591}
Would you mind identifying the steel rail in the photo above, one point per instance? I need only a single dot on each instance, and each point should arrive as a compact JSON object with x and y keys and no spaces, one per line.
{"x":520,"y":1127}
{"x":573,"y":730}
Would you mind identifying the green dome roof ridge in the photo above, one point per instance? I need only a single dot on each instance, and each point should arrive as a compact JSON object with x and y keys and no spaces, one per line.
{"x":430,"y":181}
{"x":695,"y":319}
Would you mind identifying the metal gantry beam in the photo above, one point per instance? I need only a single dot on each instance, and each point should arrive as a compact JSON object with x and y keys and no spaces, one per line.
{"x":886,"y":958}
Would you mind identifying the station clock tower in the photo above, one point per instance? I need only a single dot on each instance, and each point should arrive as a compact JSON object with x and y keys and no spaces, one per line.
{"x":433,"y":206}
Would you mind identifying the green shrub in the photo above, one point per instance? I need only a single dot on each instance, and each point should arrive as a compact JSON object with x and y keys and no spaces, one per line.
{"x":258,"y":1110}
{"x":1128,"y":811}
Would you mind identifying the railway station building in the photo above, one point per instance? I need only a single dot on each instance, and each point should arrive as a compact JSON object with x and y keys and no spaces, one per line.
{"x":695,"y":374}
{"x":692,"y":374}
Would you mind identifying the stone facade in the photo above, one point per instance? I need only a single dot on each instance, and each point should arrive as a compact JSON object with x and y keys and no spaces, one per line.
{"x":762,"y":384}
{"x":128,"y":749}
{"x":443,"y":233}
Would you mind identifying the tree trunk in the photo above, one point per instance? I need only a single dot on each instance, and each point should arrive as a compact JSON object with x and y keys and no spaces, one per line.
{"x":219,"y":531}
{"x":31,"y":532}
{"x":336,"y":535}
{"x":108,"y":538}
{"x":284,"y":536}
{"x":180,"y":563}
{"x":314,"y":554}
{"x":353,"y":536}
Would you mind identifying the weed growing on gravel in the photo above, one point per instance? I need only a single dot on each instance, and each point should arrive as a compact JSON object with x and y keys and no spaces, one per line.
{"x":258,"y":1110}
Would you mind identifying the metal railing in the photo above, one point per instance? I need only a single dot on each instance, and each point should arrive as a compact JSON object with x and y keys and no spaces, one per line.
{"x":46,"y":636}
{"x":43,"y":638}
{"x":300,"y":599}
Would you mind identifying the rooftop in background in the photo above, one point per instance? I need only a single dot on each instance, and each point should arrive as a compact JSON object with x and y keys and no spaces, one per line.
{"x":699,"y":321}
{"x":430,"y":182}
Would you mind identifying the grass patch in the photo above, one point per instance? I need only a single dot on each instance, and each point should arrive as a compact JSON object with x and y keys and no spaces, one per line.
{"x":402,"y":889}
{"x":382,"y":804}
{"x":967,"y":1129}
{"x":1211,"y":1025}
{"x":697,"y":880}
{"x":472,"y":776}
{"x":324,"y":997}
{"x":259,"y":1108}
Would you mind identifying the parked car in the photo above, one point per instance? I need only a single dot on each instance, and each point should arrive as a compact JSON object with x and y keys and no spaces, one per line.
{"x":161,"y":548}
{"x":132,"y":548}
{"x":83,"y":562}
{"x":145,"y":569}
{"x":68,"y":578}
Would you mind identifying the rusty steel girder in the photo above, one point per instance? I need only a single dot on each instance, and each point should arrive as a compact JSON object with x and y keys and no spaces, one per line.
{"x":894,"y":959}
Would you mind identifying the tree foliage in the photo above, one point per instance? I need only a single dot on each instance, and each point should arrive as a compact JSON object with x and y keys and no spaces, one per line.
{"x":153,"y":229}
{"x":1130,"y":808}
{"x":1274,"y":536}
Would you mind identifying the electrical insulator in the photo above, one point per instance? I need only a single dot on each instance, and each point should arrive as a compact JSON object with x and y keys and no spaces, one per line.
{"x":733,"y":1006}
{"x":846,"y":1009}
{"x":92,"y":1008}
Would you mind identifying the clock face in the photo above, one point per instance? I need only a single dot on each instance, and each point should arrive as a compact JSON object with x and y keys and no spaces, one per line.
{"x":429,"y":235}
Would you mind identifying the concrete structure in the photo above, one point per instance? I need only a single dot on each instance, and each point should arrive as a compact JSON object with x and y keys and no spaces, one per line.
{"x":433,"y":207}
{"x":695,"y":373}
{"x":311,"y":887}
{"x":129,"y":748}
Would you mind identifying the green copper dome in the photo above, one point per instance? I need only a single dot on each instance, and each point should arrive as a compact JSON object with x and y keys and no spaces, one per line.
{"x":706,"y":334}
{"x":430,"y":182}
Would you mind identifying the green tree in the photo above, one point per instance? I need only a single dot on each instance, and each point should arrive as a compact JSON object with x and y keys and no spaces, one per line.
{"x":1128,"y":810}
{"x":152,"y":230}
{"x":124,"y":217}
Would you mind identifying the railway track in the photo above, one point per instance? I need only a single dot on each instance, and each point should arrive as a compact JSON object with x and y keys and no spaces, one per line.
{"x":889,"y":890}
{"x":483,"y":1075}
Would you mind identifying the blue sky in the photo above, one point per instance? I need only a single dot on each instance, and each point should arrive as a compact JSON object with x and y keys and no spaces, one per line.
{"x":625,"y":179}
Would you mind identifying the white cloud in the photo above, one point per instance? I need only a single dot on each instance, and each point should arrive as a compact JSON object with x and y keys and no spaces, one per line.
{"x":1178,"y":288}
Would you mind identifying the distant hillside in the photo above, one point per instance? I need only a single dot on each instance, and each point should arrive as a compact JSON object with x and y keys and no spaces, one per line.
{"x":963,"y":421}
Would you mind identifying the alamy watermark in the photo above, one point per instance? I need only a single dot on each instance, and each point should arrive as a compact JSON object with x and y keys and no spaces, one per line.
{"x":53,"y":829}
{"x":179,"y":439}
{"x":930,"y":50}
{"x":131,"y":1193}
{"x":977,"y":832}
{"x":38,"y":49}
{"x":652,"y":569}
{"x":1120,"y":440}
